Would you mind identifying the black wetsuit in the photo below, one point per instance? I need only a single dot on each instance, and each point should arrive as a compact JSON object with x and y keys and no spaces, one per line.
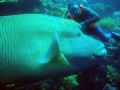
{"x":89,"y":18}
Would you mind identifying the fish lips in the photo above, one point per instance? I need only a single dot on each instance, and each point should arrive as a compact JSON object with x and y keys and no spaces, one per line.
{"x":100,"y":51}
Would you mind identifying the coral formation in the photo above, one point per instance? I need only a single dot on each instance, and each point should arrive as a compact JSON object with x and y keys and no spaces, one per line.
{"x":8,"y":1}
{"x":109,"y":22}
{"x":112,"y":73}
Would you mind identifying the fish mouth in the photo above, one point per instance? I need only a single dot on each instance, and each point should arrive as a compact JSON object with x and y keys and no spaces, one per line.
{"x":101,"y":51}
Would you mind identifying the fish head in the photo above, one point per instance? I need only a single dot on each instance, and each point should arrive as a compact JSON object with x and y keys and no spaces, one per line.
{"x":81,"y":50}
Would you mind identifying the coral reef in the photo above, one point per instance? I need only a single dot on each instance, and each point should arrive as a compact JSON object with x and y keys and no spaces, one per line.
{"x":102,"y":9}
{"x":1,"y":1}
{"x":109,"y":22}
{"x":112,"y":73}
{"x":117,"y":14}
{"x":109,"y":87}
{"x":70,"y":82}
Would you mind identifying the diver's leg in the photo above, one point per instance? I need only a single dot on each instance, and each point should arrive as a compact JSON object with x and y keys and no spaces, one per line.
{"x":104,"y":36}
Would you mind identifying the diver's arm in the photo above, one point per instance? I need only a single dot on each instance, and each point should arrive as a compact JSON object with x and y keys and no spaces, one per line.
{"x":93,"y":16}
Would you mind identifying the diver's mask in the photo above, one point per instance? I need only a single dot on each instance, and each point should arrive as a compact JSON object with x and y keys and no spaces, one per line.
{"x":74,"y":10}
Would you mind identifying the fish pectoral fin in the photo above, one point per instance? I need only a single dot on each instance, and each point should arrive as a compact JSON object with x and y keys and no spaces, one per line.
{"x":61,"y":59}
{"x":53,"y":54}
{"x":54,"y":50}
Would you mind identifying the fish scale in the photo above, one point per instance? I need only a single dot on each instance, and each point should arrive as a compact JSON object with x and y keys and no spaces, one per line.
{"x":9,"y":42}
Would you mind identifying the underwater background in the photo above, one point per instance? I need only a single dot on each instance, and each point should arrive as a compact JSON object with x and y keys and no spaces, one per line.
{"x":103,"y":76}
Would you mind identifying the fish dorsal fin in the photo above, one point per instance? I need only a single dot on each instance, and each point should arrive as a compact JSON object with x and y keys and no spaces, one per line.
{"x":54,"y":54}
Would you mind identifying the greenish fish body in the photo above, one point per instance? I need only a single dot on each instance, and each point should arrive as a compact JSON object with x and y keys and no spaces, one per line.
{"x":35,"y":47}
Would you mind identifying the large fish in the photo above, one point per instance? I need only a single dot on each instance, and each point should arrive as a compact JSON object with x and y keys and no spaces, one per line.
{"x":35,"y":47}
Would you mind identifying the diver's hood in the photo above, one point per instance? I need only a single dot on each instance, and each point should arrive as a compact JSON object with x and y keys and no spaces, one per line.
{"x":74,"y":10}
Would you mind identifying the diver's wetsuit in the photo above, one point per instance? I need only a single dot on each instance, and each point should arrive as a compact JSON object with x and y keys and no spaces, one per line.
{"x":88,"y":18}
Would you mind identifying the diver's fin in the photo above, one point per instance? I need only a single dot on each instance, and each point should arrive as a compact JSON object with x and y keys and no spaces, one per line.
{"x":53,"y":54}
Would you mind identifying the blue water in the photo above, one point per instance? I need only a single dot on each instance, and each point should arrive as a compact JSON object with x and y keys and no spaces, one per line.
{"x":113,"y":3}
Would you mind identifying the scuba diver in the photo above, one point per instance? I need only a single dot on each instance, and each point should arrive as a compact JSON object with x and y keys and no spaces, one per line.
{"x":88,"y":19}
